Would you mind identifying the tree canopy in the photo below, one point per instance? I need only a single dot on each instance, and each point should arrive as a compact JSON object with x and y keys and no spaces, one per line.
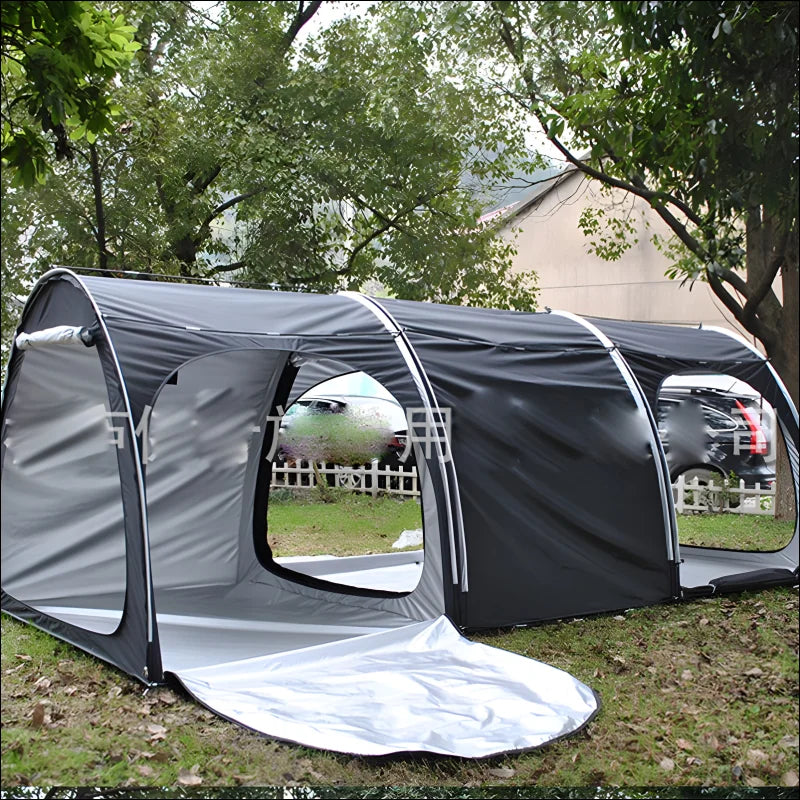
{"x":253,"y":148}
{"x":692,"y":106}
{"x":255,"y":145}
{"x":58,"y":62}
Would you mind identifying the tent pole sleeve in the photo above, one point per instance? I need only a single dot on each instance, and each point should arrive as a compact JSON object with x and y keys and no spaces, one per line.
{"x":667,"y":504}
{"x":452,"y":503}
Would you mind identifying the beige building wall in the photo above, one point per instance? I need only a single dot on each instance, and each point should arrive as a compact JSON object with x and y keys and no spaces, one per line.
{"x":550,"y":242}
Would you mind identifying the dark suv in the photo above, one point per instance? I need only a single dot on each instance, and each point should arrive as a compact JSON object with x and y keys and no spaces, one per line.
{"x":709,"y":433}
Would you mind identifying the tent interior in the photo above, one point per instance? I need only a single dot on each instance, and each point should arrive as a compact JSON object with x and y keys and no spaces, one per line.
{"x":245,"y":632}
{"x":213,"y":595}
{"x":743,"y":422}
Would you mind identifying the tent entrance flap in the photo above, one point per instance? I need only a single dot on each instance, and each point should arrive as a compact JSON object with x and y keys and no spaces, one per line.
{"x":422,"y":687}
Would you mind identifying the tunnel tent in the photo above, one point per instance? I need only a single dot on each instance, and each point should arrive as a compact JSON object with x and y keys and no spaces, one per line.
{"x":137,"y":421}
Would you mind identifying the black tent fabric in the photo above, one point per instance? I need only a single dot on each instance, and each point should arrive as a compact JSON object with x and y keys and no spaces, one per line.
{"x":547,"y":494}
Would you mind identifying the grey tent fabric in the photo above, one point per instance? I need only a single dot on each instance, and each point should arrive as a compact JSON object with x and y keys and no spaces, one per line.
{"x":547,"y":497}
{"x":58,"y":458}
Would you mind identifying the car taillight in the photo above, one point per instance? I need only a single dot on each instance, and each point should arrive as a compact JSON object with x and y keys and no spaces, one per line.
{"x":758,"y":439}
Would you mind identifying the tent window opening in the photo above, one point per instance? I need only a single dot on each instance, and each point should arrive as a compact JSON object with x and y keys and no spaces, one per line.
{"x":63,"y":540}
{"x":344,"y":497}
{"x":723,"y":447}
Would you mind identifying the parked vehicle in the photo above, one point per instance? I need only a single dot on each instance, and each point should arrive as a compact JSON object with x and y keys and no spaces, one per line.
{"x":710,"y":433}
{"x":389,"y":410}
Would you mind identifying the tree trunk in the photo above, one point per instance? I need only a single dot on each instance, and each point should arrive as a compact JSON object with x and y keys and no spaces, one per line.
{"x":784,"y":358}
{"x":99,"y":208}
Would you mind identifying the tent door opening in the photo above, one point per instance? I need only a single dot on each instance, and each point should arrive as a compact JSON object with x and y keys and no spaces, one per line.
{"x":344,"y":503}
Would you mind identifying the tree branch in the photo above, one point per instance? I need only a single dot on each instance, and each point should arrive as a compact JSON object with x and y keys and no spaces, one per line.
{"x":217,"y":268}
{"x":361,"y":245}
{"x":759,"y":291}
{"x":754,"y":325}
{"x":303,"y":15}
{"x":534,"y":102}
{"x":201,"y":184}
{"x":222,"y":207}
{"x":99,"y":210}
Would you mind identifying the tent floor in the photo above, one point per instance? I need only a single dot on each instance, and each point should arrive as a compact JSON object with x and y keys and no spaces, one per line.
{"x":706,"y":567}
{"x":203,"y":626}
{"x":389,"y":572}
{"x":206,"y":625}
{"x":197,"y":640}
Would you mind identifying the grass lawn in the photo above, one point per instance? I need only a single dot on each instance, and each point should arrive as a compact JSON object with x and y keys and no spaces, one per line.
{"x":355,"y":525}
{"x":700,"y":693}
{"x":359,"y":524}
{"x":734,"y":531}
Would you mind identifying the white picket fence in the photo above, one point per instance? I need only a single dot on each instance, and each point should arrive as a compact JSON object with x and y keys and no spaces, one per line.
{"x":691,"y":497}
{"x":369,"y":479}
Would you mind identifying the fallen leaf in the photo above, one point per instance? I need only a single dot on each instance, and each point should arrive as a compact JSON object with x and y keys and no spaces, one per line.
{"x":789,"y":741}
{"x":684,"y":745}
{"x":43,"y":683}
{"x":502,"y":772}
{"x":619,"y":618}
{"x":115,"y":691}
{"x":693,"y":760}
{"x":70,"y":690}
{"x":704,"y":622}
{"x":244,"y":778}
{"x":157,"y":732}
{"x":756,"y":757}
{"x":686,"y":675}
{"x":23,"y":657}
{"x":161,"y":756}
{"x":167,"y":698}
{"x":755,"y":782}
{"x":789,"y":778}
{"x":667,"y":764}
{"x":755,"y":672}
{"x":619,"y":659}
{"x":37,"y":717}
{"x":145,"y":770}
{"x":189,"y":777}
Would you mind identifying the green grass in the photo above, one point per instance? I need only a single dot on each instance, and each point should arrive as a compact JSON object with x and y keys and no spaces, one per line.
{"x":359,"y":524}
{"x":734,"y":531}
{"x":700,"y":693}
{"x":356,"y":525}
{"x":677,"y":682}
